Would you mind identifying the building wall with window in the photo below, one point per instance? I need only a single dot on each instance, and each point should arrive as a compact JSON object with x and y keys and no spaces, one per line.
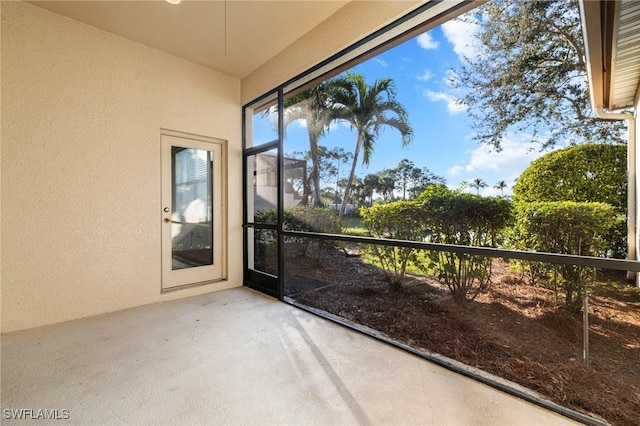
{"x":82,"y":113}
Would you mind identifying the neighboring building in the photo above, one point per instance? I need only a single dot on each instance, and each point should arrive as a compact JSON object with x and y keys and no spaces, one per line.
{"x":265,"y":184}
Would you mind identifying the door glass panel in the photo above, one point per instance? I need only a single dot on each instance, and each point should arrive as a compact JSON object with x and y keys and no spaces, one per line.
{"x":192,"y":214}
{"x":263,"y":254}
{"x":296,"y":185}
{"x":262,"y":202}
{"x":262,"y":187}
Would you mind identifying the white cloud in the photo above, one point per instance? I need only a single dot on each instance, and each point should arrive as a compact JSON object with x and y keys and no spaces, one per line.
{"x":455,"y":170}
{"x":336,"y":125}
{"x":381,"y":62}
{"x":300,"y":123}
{"x":333,"y":126}
{"x":461,"y":34}
{"x":453,"y":106}
{"x":518,"y":151}
{"x":492,"y":191}
{"x":426,"y":75}
{"x":427,"y":42}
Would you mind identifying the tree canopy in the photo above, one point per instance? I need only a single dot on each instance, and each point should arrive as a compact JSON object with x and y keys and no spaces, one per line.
{"x":529,"y":75}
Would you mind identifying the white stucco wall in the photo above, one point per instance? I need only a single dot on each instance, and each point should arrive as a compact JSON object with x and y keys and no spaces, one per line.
{"x":82,"y":111}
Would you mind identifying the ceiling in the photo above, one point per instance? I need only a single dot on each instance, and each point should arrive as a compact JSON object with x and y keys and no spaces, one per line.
{"x":231,"y":36}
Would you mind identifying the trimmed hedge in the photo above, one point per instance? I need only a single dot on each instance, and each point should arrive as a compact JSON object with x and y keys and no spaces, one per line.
{"x":463,"y":219}
{"x":583,"y":173}
{"x":565,"y":227}
{"x":442,"y":216}
{"x":400,"y":220}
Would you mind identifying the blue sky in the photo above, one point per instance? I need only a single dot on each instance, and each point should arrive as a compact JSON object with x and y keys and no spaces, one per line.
{"x":443,"y":138}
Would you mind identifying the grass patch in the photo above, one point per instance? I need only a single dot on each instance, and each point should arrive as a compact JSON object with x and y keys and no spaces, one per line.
{"x":356,"y":232}
{"x":417,"y":268}
{"x":351,"y":222}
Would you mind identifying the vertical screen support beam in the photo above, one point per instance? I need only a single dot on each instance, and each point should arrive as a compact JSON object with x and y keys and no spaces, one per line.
{"x":280,"y":174}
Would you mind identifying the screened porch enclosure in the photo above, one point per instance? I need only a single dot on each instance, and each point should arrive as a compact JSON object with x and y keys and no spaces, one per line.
{"x":470,"y":296}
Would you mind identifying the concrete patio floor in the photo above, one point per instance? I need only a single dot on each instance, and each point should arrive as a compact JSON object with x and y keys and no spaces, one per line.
{"x":237,"y":357}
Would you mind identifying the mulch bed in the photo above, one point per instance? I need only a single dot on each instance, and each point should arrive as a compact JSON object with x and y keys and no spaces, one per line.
{"x":516,"y":331}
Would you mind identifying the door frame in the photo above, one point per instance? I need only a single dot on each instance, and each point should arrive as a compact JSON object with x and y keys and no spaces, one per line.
{"x":172,"y":280}
{"x":254,"y":278}
{"x":261,"y":281}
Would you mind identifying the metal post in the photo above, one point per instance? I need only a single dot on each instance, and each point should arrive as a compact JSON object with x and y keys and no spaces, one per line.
{"x":632,"y":198}
{"x":585,"y":319}
{"x":585,"y":327}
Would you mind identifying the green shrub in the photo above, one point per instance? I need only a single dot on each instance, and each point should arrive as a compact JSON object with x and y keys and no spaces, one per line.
{"x":463,"y":219}
{"x":356,"y":232}
{"x":616,"y":238}
{"x":565,"y":227}
{"x":264,"y":217}
{"x":400,"y":220}
{"x":269,"y":216}
{"x":582,"y":173}
{"x":313,"y":219}
{"x":303,"y":219}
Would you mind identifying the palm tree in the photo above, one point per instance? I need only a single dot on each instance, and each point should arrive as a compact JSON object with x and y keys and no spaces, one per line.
{"x":371,"y":184}
{"x":478,"y":184}
{"x":314,"y":107}
{"x":368,"y":109}
{"x":501,"y":185}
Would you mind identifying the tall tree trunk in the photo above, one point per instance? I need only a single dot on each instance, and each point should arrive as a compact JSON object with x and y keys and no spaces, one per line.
{"x":347,"y":189}
{"x":314,"y":174}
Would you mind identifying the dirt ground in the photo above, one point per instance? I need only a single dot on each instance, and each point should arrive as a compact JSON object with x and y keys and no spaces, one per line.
{"x":516,"y":331}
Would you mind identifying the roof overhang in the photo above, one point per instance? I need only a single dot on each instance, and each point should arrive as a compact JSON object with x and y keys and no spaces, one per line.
{"x":611,"y":31}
